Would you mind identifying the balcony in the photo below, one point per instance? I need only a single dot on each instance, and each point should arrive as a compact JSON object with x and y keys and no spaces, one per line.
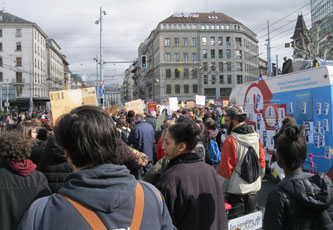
{"x":18,"y":81}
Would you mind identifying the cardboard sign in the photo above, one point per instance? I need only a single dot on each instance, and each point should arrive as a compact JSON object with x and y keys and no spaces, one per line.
{"x":113,"y":109}
{"x":152,"y":106}
{"x":225,"y":103}
{"x":211,"y":102}
{"x":64,"y":101}
{"x":136,"y":106}
{"x":200,"y":100}
{"x":190,"y":104}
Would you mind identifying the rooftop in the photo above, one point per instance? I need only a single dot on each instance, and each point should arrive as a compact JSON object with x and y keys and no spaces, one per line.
{"x":9,"y":18}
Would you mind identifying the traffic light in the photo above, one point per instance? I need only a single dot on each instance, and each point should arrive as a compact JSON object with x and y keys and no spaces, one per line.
{"x":274,"y":69}
{"x":143,"y":61}
{"x":101,"y":101}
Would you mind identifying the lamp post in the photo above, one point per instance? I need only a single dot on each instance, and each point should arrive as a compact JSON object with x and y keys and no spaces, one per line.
{"x":96,"y":84}
{"x":100,"y":22}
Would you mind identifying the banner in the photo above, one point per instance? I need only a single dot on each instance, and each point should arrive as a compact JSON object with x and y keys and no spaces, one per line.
{"x":200,"y":100}
{"x":173,"y":102}
{"x":136,"y":106}
{"x":152,"y":106}
{"x":65,"y":100}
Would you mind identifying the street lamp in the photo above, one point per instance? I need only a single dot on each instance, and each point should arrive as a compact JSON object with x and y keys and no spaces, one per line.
{"x":100,"y":22}
{"x":7,"y":103}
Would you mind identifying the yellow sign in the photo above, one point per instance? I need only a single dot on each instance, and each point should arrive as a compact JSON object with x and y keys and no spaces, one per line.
{"x":190,"y":104}
{"x":136,"y":106}
{"x":180,"y":69}
{"x":64,"y":101}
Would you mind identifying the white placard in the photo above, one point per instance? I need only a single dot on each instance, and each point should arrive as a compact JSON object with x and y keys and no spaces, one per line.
{"x":291,"y":109}
{"x":200,"y":100}
{"x":325,"y":125}
{"x":303,"y":107}
{"x":252,"y":221}
{"x":308,"y":131}
{"x":265,"y":138}
{"x":259,"y":121}
{"x":318,"y":108}
{"x":327,"y":151}
{"x":258,"y":102}
{"x":277,"y":127}
{"x":173,"y":103}
{"x":326,"y":108}
{"x":317,"y":127}
{"x":316,"y":142}
{"x":281,"y":113}
{"x":322,"y":140}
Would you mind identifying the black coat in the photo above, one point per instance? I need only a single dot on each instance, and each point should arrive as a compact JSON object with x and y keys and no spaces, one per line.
{"x":17,"y":193}
{"x":54,"y":165}
{"x":193,"y":194}
{"x":301,"y":201}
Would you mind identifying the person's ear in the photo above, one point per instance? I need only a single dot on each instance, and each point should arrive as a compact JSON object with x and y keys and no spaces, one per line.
{"x":182,"y":147}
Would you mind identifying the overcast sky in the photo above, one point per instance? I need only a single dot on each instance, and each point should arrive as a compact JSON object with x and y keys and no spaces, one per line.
{"x":128,"y":22}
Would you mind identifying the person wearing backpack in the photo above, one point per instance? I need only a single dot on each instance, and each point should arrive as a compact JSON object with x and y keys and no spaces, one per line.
{"x":242,"y":164}
{"x":210,"y":138}
{"x":100,"y":193}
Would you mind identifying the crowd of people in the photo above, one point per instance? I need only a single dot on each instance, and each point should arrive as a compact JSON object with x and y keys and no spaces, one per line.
{"x":95,"y":170}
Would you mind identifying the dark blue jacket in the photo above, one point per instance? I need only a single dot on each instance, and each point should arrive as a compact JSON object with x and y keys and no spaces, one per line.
{"x":109,"y":190}
{"x":142,"y":137}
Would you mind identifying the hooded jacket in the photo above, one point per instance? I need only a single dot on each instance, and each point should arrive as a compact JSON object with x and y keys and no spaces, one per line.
{"x":233,"y":152}
{"x":301,"y":201}
{"x":142,"y":137}
{"x":109,"y":190}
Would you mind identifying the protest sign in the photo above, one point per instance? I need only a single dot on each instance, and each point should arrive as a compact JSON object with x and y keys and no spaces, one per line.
{"x":136,"y":106}
{"x":152,"y":106}
{"x":173,"y":102}
{"x":200,"y":100}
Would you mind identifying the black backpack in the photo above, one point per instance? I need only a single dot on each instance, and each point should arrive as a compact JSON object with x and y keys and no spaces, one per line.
{"x":250,"y":168}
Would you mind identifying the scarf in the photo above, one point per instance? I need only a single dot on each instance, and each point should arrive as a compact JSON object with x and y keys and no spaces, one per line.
{"x":24,"y":168}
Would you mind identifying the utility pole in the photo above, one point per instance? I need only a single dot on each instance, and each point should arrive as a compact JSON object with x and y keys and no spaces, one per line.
{"x":100,"y":22}
{"x":1,"y":99}
{"x":269,"y":61}
{"x":277,"y":65}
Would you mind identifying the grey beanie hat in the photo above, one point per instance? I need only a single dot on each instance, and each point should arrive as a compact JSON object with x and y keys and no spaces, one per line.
{"x":234,"y":111}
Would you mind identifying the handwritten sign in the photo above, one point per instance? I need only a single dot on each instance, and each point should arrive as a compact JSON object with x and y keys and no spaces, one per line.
{"x":136,"y":106}
{"x":152,"y":106}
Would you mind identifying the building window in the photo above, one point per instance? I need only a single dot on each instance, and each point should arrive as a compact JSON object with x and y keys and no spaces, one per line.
{"x":18,"y":46}
{"x":213,"y":66}
{"x":176,"y":56}
{"x":206,"y":79}
{"x":238,"y":41}
{"x":177,"y":73}
{"x":228,"y":41}
{"x":0,"y":33}
{"x":177,"y":89}
{"x":167,"y":57}
{"x":204,"y":54}
{"x":167,"y":42}
{"x":229,"y":79}
{"x":221,"y":66}
{"x":185,"y":57}
{"x":18,"y":77}
{"x":194,"y":57}
{"x":239,"y":66}
{"x":0,"y":46}
{"x":168,"y":73}
{"x":221,"y":79}
{"x":194,"y":42}
{"x":194,"y":73}
{"x":1,"y":77}
{"x":212,"y":53}
{"x":19,"y":61}
{"x":204,"y":41}
{"x":239,"y":79}
{"x":18,"y":33}
{"x":195,"y":88}
{"x":186,"y":89}
{"x":213,"y":79}
{"x":176,"y":42}
{"x":212,"y":41}
{"x":1,"y":64}
{"x":228,"y":54}
{"x":229,"y":66}
{"x":220,"y":41}
{"x":186,"y":73}
{"x":211,"y":92}
{"x":225,"y":92}
{"x":220,"y":53}
{"x":205,"y":66}
{"x":18,"y":91}
{"x":185,"y":42}
{"x":168,"y":89}
{"x":238,"y":54}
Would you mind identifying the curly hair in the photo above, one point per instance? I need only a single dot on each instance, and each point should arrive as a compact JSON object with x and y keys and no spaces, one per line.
{"x":13,"y":147}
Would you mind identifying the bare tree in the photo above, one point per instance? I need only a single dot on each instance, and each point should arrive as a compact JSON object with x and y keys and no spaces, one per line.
{"x":315,"y":42}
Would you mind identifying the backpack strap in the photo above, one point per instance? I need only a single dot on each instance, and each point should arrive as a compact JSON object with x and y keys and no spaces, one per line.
{"x":138,"y":209}
{"x":95,"y":222}
{"x":89,"y":215}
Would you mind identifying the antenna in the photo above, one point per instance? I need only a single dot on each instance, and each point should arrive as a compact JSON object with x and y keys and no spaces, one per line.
{"x":4,"y":5}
